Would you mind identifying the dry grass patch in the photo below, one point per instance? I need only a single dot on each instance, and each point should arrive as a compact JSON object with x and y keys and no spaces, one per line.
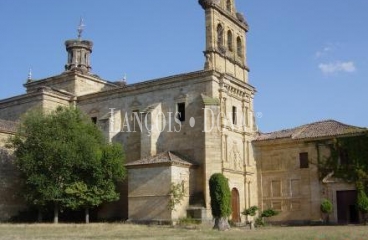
{"x":131,"y":231}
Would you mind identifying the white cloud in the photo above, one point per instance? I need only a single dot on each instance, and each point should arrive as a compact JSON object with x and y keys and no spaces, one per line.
{"x":323,"y":52}
{"x":331,"y":68}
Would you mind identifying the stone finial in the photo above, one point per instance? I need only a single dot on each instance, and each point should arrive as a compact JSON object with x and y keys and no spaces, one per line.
{"x":29,"y":78}
{"x":80,"y":28}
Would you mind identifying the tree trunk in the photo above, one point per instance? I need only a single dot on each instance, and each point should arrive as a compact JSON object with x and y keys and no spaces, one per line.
{"x":87,"y":214}
{"x":56,"y":213}
{"x":221,"y":224}
{"x":39,"y":215}
{"x":327,"y":218}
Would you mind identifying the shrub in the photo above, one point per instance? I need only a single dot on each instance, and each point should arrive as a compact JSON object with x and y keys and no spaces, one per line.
{"x":259,"y":222}
{"x":220,"y":200}
{"x":326,"y":208}
{"x":362,"y":205}
{"x":250,"y":211}
{"x":269,"y":213}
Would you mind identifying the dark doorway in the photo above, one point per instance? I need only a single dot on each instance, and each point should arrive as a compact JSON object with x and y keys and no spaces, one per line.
{"x":346,"y":207}
{"x":235,"y":205}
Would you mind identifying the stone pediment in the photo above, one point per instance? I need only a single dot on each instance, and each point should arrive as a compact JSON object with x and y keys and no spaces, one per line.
{"x":164,"y":158}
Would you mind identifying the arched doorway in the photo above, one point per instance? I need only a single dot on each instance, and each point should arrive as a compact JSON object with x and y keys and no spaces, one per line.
{"x":235,"y":205}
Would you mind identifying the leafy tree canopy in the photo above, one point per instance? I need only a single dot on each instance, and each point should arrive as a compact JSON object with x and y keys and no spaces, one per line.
{"x":64,"y":158}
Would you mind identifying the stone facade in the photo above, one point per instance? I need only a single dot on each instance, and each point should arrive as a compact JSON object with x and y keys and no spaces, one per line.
{"x":214,"y":130}
{"x":146,"y":201}
{"x":182,"y":129}
{"x":288,"y":175}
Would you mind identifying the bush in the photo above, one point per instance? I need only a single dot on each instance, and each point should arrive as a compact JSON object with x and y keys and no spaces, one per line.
{"x":220,"y":200}
{"x":259,"y":222}
{"x":269,"y":213}
{"x":326,"y":206}
{"x":362,"y":205}
{"x":220,"y":196}
{"x":250,"y":211}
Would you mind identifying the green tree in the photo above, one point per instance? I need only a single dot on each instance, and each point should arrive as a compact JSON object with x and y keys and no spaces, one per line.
{"x":326,"y":208}
{"x":64,"y":160}
{"x":251,"y":211}
{"x":266,"y":214}
{"x":220,"y":200}
{"x":362,"y":205}
{"x":260,"y":221}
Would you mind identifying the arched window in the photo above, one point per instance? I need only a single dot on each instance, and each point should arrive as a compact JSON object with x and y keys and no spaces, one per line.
{"x":220,"y":35}
{"x":239,"y":47}
{"x":228,"y":5}
{"x":230,"y":40}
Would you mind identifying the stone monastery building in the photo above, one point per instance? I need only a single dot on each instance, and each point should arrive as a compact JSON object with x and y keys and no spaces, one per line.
{"x":181,"y":129}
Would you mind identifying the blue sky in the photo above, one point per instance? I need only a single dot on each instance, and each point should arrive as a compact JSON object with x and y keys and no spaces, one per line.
{"x":308,"y":58}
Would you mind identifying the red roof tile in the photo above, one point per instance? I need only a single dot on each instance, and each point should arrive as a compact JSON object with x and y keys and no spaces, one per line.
{"x":328,"y":128}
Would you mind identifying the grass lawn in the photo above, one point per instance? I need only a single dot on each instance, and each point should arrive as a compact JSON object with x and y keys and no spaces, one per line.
{"x":107,"y":231}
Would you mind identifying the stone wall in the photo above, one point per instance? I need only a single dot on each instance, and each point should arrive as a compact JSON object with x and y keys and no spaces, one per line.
{"x":10,"y":200}
{"x":72,"y":82}
{"x":149,"y":194}
{"x":286,"y":187}
{"x":44,"y":98}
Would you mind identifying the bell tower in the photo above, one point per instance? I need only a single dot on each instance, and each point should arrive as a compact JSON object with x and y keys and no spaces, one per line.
{"x":225,"y":38}
{"x":79,"y":52}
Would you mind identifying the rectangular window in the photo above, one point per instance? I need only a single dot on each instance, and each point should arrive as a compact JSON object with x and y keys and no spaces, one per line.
{"x":181,"y":111}
{"x":94,"y":120}
{"x":343,"y":156}
{"x":303,"y":159}
{"x":276,"y":188}
{"x":234,"y":115}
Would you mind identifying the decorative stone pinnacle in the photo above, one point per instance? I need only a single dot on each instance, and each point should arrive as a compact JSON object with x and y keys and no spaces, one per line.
{"x":80,"y":28}
{"x":29,"y":78}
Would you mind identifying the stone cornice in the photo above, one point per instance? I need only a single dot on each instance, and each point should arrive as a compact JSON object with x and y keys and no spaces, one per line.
{"x":8,"y":132}
{"x":66,"y":76}
{"x":214,"y":4}
{"x":230,"y":59}
{"x":155,"y":165}
{"x":29,"y":97}
{"x":229,"y":81}
{"x":147,"y":86}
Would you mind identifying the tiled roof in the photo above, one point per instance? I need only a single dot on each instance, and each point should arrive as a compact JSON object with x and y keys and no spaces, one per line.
{"x":8,"y":126}
{"x":328,"y":128}
{"x":161,"y":158}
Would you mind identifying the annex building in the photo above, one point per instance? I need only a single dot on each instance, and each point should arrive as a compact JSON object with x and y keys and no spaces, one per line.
{"x":179,"y":130}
